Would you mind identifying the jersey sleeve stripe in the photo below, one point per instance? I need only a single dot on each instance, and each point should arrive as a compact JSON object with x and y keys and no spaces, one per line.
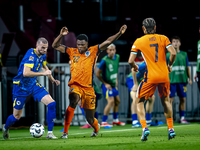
{"x":65,"y":49}
{"x":168,"y":46}
{"x":98,"y":52}
{"x":134,"y":52}
{"x":29,"y":65}
{"x":44,"y":63}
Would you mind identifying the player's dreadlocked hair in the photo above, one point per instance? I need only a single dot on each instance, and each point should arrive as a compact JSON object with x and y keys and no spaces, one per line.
{"x":149,"y":24}
{"x":82,"y":37}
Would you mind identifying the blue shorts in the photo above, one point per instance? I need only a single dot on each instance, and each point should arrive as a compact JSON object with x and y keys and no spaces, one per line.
{"x":20,"y":97}
{"x":109,"y":93}
{"x":129,"y":83}
{"x":180,"y":88}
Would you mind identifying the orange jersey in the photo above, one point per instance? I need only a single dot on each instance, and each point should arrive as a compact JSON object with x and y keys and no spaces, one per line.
{"x":82,"y":65}
{"x":153,"y":48}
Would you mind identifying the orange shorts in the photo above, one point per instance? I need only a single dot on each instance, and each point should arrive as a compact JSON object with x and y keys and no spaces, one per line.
{"x":86,"y":94}
{"x":147,"y":89}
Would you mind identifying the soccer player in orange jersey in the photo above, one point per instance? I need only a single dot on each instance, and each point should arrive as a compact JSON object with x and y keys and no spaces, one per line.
{"x":157,"y":72}
{"x":83,"y":61}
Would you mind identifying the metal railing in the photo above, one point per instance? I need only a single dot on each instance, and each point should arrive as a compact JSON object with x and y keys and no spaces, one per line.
{"x":60,"y":95}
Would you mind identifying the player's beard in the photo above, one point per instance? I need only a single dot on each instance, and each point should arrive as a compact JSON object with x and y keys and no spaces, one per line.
{"x":41,"y":52}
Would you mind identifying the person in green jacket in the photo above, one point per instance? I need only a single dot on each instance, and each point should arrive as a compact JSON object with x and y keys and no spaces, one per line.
{"x":179,"y":77}
{"x":107,"y":73}
{"x":197,"y":75}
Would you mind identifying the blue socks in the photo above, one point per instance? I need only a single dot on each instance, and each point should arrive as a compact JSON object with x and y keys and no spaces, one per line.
{"x":10,"y":121}
{"x":182,"y":113}
{"x":96,"y":115}
{"x":134,"y":117}
{"x":148,"y":116}
{"x":51,"y":115}
{"x":105,"y":117}
{"x":115,"y":115}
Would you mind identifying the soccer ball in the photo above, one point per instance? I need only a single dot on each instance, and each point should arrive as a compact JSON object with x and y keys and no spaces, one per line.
{"x":37,"y":130}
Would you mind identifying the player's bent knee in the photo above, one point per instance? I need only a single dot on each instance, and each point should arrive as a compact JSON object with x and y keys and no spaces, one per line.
{"x":17,"y":116}
{"x":47,"y":99}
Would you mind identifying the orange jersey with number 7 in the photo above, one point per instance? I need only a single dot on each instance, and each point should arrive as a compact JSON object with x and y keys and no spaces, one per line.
{"x":153,"y":48}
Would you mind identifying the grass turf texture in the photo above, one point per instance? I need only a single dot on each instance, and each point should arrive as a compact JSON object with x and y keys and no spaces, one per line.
{"x":125,"y":137}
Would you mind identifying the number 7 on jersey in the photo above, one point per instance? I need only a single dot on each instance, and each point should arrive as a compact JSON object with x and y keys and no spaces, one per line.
{"x":156,"y":49}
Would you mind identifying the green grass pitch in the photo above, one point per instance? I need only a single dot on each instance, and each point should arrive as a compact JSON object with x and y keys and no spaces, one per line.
{"x":122,"y":138}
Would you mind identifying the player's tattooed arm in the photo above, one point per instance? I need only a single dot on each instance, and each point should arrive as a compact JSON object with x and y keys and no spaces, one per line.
{"x":113,"y":38}
{"x":57,"y":42}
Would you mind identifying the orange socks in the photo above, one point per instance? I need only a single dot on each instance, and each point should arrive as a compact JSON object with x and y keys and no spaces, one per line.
{"x":69,"y":114}
{"x":170,"y":123}
{"x":143,"y":123}
{"x":95,"y":125}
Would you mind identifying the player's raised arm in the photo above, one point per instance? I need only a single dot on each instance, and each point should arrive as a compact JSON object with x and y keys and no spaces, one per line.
{"x":57,"y":42}
{"x":172,"y":57}
{"x":113,"y":38}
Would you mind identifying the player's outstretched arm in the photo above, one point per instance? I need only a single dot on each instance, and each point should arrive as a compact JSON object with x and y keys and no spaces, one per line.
{"x":131,"y":62}
{"x":57,"y":42}
{"x":28,"y":73}
{"x":51,"y":78}
{"x":113,"y":38}
{"x":172,"y":57}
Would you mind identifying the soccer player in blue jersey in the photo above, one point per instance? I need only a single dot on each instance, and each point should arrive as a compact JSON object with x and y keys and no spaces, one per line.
{"x":25,"y":84}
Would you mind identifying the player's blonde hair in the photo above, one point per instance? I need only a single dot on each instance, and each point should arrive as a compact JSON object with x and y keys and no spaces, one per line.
{"x":111,"y":45}
{"x":42,"y":40}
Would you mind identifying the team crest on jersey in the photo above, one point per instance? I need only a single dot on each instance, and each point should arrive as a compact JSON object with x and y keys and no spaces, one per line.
{"x":31,"y":58}
{"x":87,"y":53}
{"x":71,"y":90}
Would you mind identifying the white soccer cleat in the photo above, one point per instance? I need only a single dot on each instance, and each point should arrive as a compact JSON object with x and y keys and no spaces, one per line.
{"x":183,"y":121}
{"x":51,"y":136}
{"x":64,"y":136}
{"x":5,"y":133}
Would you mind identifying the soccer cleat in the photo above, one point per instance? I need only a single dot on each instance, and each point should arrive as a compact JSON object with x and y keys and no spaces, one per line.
{"x":136,"y":125}
{"x":94,"y":134}
{"x":171,"y":134}
{"x":64,"y":136}
{"x":103,"y":124}
{"x":183,"y":121}
{"x":51,"y":136}
{"x":148,"y":123}
{"x":86,"y":126}
{"x":145,"y":134}
{"x":5,"y":133}
{"x":119,"y":123}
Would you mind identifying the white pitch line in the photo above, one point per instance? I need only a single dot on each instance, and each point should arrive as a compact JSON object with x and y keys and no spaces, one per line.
{"x":108,"y":131}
